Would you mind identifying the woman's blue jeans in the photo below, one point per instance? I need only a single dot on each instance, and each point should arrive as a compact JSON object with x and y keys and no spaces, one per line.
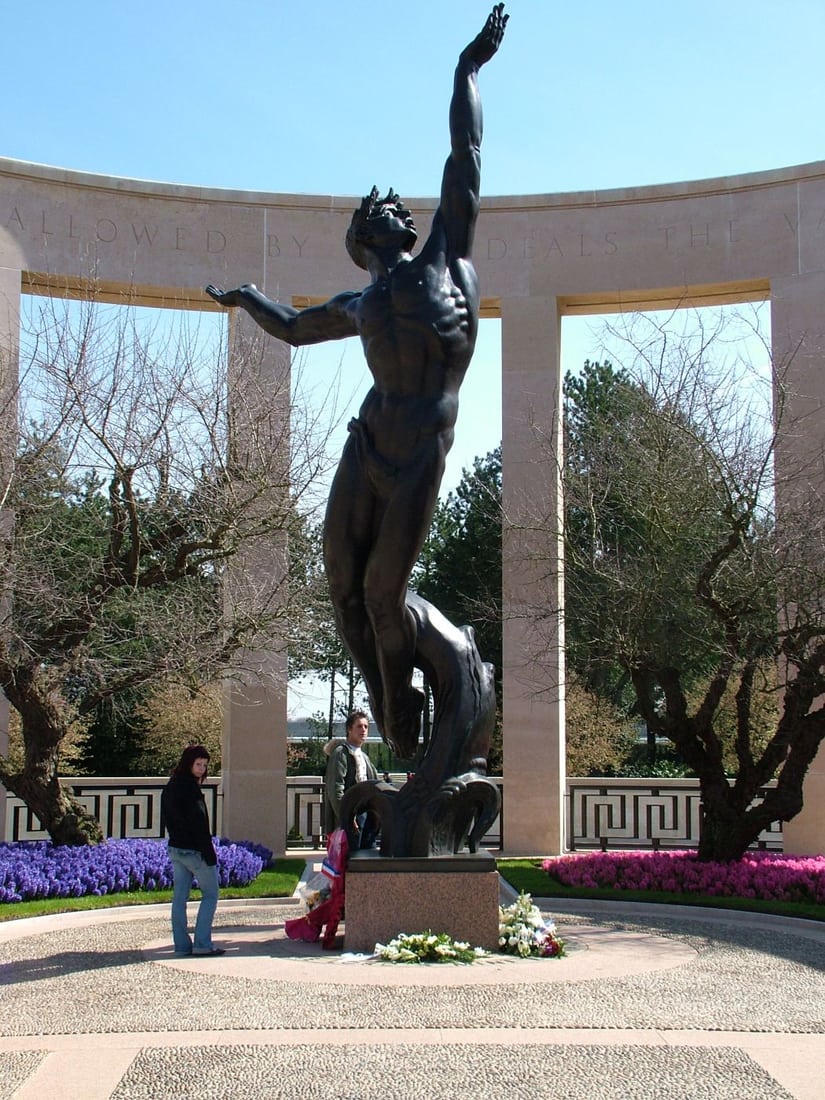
{"x":186,"y":866}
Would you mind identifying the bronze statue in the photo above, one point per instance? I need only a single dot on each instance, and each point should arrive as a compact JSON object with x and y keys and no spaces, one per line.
{"x":418,"y":321}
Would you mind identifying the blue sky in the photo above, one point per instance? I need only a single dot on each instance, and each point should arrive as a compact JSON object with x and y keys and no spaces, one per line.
{"x":326,"y":96}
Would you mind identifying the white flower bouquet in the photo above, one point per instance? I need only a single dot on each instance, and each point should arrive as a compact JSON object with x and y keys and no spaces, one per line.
{"x":523,"y":931}
{"x":427,"y":947}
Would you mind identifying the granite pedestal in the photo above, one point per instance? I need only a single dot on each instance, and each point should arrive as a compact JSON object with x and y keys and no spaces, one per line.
{"x":458,"y":895}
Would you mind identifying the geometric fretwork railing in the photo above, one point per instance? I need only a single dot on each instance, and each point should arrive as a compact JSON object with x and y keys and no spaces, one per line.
{"x":124,"y":807}
{"x":600,"y":813}
{"x":641,"y":813}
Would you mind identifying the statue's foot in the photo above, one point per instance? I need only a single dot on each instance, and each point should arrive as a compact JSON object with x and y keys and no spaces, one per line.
{"x":402,"y":723}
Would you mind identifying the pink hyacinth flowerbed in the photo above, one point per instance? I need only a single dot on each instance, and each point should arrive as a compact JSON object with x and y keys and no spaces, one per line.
{"x":768,"y":876}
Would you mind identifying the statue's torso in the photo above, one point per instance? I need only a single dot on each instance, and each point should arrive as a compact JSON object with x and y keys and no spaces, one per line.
{"x":418,"y":327}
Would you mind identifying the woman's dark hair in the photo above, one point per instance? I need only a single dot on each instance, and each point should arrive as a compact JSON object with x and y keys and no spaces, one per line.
{"x":188,"y":757}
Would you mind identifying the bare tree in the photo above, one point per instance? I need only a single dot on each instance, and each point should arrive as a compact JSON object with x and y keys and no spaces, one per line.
{"x":154,"y":483}
{"x":694,"y":545}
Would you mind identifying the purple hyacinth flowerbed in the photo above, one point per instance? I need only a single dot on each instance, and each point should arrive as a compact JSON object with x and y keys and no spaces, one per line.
{"x":769,"y":876}
{"x":33,"y":869}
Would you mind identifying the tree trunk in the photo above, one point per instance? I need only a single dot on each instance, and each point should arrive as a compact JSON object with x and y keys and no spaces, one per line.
{"x":60,"y":814}
{"x":730,"y":824}
{"x":38,"y":785}
{"x":652,"y":747}
{"x":724,"y":838}
{"x":331,"y":710}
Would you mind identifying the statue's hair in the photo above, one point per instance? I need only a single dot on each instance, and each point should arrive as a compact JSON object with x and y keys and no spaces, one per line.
{"x":371,"y":206}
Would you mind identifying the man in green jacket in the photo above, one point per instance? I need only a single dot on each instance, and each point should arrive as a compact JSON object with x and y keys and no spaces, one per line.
{"x":349,"y":764}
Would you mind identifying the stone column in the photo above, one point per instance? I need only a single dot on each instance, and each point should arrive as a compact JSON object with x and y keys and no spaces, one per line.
{"x":534,"y":751}
{"x":10,"y":282}
{"x":255,"y":732}
{"x":798,"y":340}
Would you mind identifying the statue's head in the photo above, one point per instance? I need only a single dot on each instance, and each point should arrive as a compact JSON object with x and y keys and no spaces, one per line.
{"x":376,"y":222}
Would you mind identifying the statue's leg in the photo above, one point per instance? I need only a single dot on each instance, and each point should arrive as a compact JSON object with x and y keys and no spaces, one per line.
{"x":395,"y":637}
{"x":347,"y":542}
{"x":400,"y":537}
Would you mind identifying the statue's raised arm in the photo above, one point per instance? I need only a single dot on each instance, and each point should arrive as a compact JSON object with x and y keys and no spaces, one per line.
{"x":487,"y":41}
{"x":462,"y":173}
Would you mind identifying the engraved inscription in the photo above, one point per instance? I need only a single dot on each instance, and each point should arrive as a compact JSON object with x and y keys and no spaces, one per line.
{"x":53,"y":225}
{"x":292,"y":245}
{"x":540,"y":246}
{"x":701,"y":234}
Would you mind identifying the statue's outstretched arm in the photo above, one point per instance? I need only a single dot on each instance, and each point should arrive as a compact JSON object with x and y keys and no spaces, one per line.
{"x":461,"y":184}
{"x":331,"y":321}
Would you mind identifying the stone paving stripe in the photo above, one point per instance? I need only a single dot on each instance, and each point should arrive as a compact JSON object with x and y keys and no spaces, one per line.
{"x":16,"y":1066}
{"x":446,"y":1072}
{"x":72,"y":1075}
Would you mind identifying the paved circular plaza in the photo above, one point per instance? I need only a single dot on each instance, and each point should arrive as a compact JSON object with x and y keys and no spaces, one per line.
{"x":650,"y":1002}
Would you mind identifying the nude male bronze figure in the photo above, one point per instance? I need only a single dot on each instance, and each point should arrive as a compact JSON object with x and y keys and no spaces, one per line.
{"x":418,"y":321}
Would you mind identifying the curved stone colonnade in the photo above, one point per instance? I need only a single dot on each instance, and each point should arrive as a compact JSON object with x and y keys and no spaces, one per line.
{"x":756,"y":236}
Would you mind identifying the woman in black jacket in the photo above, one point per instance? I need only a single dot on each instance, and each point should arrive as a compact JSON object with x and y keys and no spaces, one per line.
{"x":191,"y":851}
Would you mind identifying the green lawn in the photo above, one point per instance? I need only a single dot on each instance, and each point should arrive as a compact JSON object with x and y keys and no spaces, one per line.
{"x":278,"y":881}
{"x":526,"y":875}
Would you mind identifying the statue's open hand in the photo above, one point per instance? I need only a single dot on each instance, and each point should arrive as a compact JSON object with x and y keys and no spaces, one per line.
{"x":228,"y":297}
{"x":485,"y":44}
